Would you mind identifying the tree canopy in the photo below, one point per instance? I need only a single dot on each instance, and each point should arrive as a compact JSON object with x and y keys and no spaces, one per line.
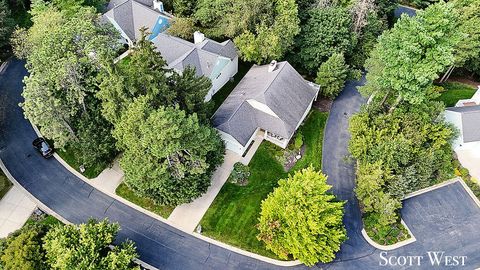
{"x":86,"y":246}
{"x":331,"y":75}
{"x":145,"y":73}
{"x":6,"y":23}
{"x":299,"y":218}
{"x":56,"y":94}
{"x":168,"y":156}
{"x":327,"y":31}
{"x":408,"y":57}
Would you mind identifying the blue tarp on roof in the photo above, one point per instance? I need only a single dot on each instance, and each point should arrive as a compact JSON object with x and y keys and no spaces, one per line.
{"x":160,"y":26}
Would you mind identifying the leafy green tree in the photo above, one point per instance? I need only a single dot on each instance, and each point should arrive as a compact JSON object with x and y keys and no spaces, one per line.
{"x":370,"y":190}
{"x":95,"y":144}
{"x":184,"y":7}
{"x":327,"y":31}
{"x":271,"y":41}
{"x":6,"y":23}
{"x":299,"y":218}
{"x":467,"y":50}
{"x":23,"y":249}
{"x":182,"y":27}
{"x":367,"y":39}
{"x":86,"y":246}
{"x":331,"y":75}
{"x":411,"y":55}
{"x":145,"y":73}
{"x":63,"y":57}
{"x":410,"y":142}
{"x":168,"y":156}
{"x":243,"y":15}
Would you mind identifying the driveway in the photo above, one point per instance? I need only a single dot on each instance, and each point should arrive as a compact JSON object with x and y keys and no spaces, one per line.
{"x":470,"y":159}
{"x":165,"y":247}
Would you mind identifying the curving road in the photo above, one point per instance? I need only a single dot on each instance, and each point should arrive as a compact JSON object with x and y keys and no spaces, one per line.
{"x":445,"y":219}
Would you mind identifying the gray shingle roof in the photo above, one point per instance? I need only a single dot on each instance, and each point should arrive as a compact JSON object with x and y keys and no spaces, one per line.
{"x":180,"y":53}
{"x":132,"y":15}
{"x":470,"y":122}
{"x":284,"y":91}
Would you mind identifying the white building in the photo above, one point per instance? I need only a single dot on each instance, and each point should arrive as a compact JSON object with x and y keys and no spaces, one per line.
{"x":272,"y":100}
{"x":214,"y":60}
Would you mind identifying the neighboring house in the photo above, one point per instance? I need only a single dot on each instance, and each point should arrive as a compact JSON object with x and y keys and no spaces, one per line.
{"x":467,"y":121}
{"x":274,"y":99}
{"x":214,"y":60}
{"x":129,"y":16}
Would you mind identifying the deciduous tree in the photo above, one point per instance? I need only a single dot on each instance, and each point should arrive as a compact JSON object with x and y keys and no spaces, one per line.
{"x":271,"y":38}
{"x":299,"y":218}
{"x":63,"y":57}
{"x":411,"y":55}
{"x":86,"y":246}
{"x":327,"y":31}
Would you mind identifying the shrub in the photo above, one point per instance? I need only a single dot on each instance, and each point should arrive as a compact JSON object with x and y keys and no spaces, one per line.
{"x":298,"y":141}
{"x":240,"y":174}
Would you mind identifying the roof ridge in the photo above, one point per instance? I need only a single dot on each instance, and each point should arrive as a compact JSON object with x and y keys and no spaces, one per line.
{"x":273,"y":79}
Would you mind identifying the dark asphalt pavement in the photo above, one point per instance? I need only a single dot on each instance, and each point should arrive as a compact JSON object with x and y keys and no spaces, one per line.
{"x":444,"y":219}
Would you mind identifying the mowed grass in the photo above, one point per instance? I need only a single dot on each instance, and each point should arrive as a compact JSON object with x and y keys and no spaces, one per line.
{"x":234,"y":213}
{"x":125,"y":192}
{"x":455,"y":91}
{"x":69,"y":155}
{"x":5,"y":185}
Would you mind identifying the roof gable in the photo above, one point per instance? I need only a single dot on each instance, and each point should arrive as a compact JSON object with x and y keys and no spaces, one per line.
{"x":283,"y":91}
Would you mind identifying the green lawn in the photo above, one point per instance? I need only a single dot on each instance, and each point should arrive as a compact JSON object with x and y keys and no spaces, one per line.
{"x":5,"y":185}
{"x":68,"y":154}
{"x":455,"y":91}
{"x":221,"y":95}
{"x":125,"y":192}
{"x":234,"y":213}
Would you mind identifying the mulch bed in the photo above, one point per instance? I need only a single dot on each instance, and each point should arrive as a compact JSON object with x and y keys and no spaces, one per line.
{"x":323,"y":104}
{"x":290,"y":158}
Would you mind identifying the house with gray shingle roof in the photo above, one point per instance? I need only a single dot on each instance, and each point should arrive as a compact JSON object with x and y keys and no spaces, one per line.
{"x":129,"y":16}
{"x":272,"y":100}
{"x":214,"y":60}
{"x":467,"y":121}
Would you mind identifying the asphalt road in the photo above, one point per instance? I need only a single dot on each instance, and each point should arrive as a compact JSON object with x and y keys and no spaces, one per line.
{"x":165,"y":247}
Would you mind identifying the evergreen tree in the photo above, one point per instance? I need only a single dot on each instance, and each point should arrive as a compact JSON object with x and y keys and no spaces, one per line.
{"x":168,"y":156}
{"x":331,"y":75}
{"x":6,"y":23}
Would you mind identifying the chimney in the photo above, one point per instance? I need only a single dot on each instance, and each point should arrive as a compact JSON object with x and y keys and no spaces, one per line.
{"x":158,"y":5}
{"x":272,"y":66}
{"x":198,"y":37}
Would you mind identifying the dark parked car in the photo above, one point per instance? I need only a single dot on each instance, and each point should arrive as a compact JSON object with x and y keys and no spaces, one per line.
{"x":43,"y":147}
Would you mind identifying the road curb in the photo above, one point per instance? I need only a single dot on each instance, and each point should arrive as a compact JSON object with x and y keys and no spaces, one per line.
{"x":400,"y":244}
{"x":159,"y":218}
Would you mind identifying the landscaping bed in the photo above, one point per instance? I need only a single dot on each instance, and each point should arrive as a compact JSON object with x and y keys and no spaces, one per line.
{"x":233,"y":215}
{"x":454,"y":91}
{"x":388,"y":235}
{"x":5,"y":185}
{"x":125,"y":192}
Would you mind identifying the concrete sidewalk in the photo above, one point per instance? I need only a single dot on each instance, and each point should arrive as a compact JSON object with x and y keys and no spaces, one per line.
{"x":187,"y":216}
{"x":109,"y":179}
{"x":470,"y":159}
{"x":15,"y":209}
